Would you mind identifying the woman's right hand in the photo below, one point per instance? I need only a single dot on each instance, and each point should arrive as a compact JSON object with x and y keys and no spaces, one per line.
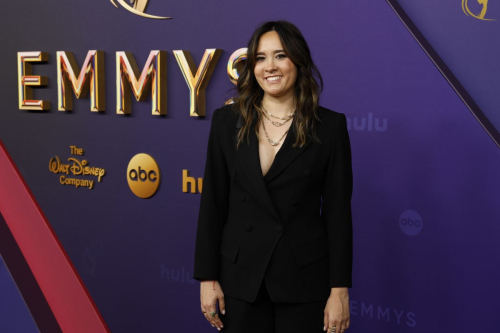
{"x":209,"y":298}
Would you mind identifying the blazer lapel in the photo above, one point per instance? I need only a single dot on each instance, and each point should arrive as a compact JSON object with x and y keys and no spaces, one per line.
{"x":250,"y":161}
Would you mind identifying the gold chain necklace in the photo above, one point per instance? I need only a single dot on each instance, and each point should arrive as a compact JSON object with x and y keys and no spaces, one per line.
{"x":273,"y":143}
{"x":276,"y":123}
{"x":287,"y":117}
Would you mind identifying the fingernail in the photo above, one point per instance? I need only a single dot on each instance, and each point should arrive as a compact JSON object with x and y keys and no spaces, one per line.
{"x":324,"y":328}
{"x":224,"y":311}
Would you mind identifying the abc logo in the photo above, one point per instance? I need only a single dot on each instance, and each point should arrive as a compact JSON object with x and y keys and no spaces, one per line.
{"x":410,"y":222}
{"x":143,"y":175}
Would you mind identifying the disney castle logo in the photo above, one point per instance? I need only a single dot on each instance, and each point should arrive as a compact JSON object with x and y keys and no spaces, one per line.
{"x":482,"y":13}
{"x":137,"y":7}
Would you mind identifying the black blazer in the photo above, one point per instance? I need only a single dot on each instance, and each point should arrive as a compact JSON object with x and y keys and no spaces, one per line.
{"x":253,"y":228}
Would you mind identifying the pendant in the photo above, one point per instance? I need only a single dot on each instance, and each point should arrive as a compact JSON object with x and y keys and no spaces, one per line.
{"x":272,"y":142}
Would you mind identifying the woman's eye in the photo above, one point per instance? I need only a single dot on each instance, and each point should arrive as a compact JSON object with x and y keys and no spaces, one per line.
{"x":281,"y":55}
{"x":259,"y":58}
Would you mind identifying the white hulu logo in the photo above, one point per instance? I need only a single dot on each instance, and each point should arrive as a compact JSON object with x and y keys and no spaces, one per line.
{"x":367,"y":123}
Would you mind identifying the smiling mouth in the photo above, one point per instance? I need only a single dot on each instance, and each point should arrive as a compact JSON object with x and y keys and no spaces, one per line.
{"x":273,"y":78}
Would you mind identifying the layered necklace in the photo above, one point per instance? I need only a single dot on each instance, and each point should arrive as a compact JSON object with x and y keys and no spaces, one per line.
{"x":267,"y":114}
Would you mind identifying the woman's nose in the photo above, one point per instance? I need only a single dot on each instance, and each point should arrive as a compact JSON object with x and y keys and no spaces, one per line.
{"x":270,"y":65}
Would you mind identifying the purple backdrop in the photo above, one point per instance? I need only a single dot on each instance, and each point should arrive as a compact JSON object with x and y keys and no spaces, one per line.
{"x":426,"y":175}
{"x":14,"y":315}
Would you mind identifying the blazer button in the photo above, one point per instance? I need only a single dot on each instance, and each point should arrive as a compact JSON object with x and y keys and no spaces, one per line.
{"x":307,"y":173}
{"x":243,"y":197}
{"x":295,"y":203}
{"x":248,"y":227}
{"x":278,"y":228}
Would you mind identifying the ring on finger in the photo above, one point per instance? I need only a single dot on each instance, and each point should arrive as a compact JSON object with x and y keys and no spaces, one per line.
{"x":212,"y":313}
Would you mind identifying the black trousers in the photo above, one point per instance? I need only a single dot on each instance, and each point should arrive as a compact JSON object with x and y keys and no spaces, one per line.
{"x":265,"y":316}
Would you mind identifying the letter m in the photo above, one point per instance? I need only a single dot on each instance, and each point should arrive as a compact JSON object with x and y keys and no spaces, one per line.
{"x":91,"y":77}
{"x":153,"y":77}
{"x":382,"y":313}
{"x":367,"y":310}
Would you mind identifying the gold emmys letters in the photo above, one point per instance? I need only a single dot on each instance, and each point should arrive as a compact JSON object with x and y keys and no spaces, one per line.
{"x":153,"y":77}
{"x":26,"y":80}
{"x":197,"y":79}
{"x":129,"y":79}
{"x":91,"y":77}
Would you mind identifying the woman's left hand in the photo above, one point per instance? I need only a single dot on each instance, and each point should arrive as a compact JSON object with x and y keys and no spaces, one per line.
{"x":337,"y":311}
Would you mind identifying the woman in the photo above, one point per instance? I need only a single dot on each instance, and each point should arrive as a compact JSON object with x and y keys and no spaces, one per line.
{"x":275,"y":159}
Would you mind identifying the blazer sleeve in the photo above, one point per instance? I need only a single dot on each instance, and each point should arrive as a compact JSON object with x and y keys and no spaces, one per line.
{"x":213,"y":207}
{"x":336,"y":207}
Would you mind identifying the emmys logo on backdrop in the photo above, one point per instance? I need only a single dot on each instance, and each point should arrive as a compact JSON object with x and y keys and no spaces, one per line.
{"x":480,"y":11}
{"x":383,"y":313}
{"x":137,"y":7}
{"x":76,"y":167}
{"x":143,"y":175}
{"x":130,"y":80}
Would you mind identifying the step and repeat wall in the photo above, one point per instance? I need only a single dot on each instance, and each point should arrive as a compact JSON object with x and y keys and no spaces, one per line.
{"x":119,"y":180}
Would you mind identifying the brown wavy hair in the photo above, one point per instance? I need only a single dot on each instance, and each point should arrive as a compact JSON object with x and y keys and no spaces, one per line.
{"x":308,"y":86}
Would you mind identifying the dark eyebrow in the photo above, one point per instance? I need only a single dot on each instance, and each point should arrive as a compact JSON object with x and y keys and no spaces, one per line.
{"x":277,"y":51}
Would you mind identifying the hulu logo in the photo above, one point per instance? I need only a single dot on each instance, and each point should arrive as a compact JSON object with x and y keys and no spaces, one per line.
{"x":367,"y":123}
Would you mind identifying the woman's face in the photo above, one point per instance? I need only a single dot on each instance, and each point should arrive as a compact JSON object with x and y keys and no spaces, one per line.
{"x":274,"y":71}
